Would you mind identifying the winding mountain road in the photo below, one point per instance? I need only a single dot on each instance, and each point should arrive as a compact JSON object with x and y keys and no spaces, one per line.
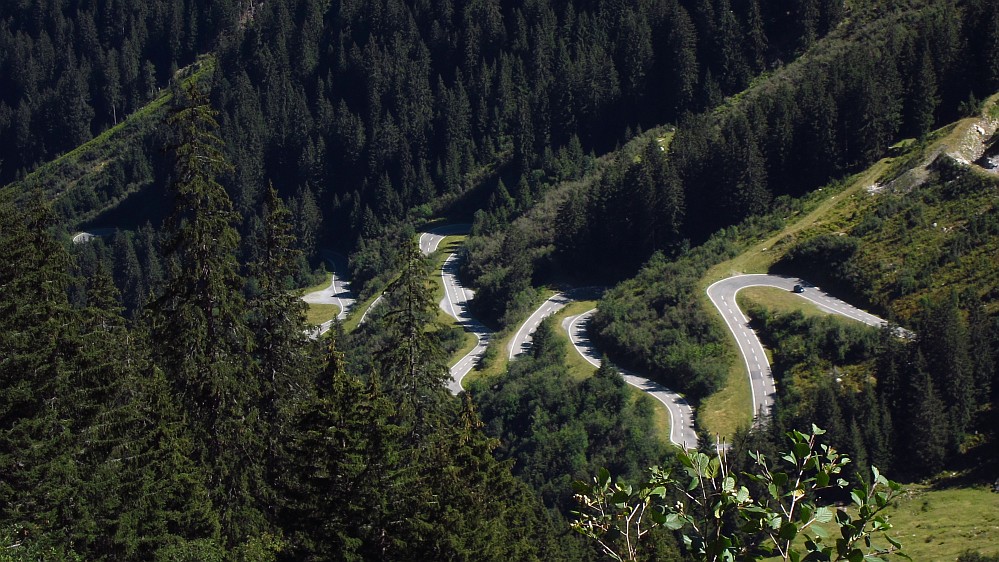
{"x":723,"y":294}
{"x":432,"y":238}
{"x":455,"y":302}
{"x":520,"y":343}
{"x":681,"y":414}
{"x":337,"y":293}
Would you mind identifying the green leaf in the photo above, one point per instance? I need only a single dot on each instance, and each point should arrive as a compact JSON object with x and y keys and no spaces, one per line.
{"x":856,"y":555}
{"x":685,"y":460}
{"x":658,"y":517}
{"x":673,"y":522}
{"x":823,"y":515}
{"x":855,"y":496}
{"x":788,"y":531}
{"x":742,"y":495}
{"x":728,"y":484}
{"x":893,"y":542}
{"x":603,"y":477}
{"x":659,"y":491}
{"x":620,"y":497}
{"x":801,"y":450}
{"x":881,"y":499}
{"x":822,"y":479}
{"x":714,"y":467}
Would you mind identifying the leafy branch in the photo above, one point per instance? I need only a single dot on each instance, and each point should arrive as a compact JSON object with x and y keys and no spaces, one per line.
{"x":718,"y":519}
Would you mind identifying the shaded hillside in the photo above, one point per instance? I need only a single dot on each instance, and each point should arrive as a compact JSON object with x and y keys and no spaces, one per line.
{"x":70,"y":69}
{"x":831,"y":112}
{"x":914,"y":236}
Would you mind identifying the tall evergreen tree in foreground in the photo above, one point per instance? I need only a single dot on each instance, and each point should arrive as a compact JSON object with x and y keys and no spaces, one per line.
{"x":277,"y":320}
{"x":412,"y":362}
{"x":37,"y":338}
{"x":200,"y":336}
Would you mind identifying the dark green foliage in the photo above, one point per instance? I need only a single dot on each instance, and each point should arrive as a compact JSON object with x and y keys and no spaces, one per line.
{"x":67,"y":72}
{"x":970,"y":556}
{"x":554,"y":428}
{"x":862,"y":386}
{"x":95,"y":456}
{"x":411,"y":361}
{"x":823,"y":259}
{"x":364,"y":478}
{"x":199,"y":327}
{"x":653,"y":324}
{"x":944,"y":344}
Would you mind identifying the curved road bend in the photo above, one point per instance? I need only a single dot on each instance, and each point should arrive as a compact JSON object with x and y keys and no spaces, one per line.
{"x":521,"y":341}
{"x":455,"y":302}
{"x":337,"y":293}
{"x":722,"y":294}
{"x":430,"y":239}
{"x":681,"y":415}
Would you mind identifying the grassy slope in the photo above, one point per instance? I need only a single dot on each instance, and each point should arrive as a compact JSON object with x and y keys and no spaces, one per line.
{"x":933,"y":524}
{"x":838,"y":209}
{"x":83,"y":166}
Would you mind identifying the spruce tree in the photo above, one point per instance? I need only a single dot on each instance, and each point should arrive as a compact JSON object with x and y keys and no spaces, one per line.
{"x":277,"y":320}
{"x":37,"y":343}
{"x":944,"y":344}
{"x":412,"y":361}
{"x":200,"y":337}
{"x":927,"y":429}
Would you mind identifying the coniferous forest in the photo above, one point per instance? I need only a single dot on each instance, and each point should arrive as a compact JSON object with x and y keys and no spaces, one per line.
{"x":163,"y":397}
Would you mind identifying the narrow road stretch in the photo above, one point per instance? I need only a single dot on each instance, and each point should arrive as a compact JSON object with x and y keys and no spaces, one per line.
{"x":455,"y":302}
{"x":429,"y":242}
{"x":430,"y":239}
{"x":337,"y":293}
{"x":87,"y":236}
{"x":521,"y":341}
{"x":681,"y":414}
{"x":761,"y":382}
{"x":371,"y":307}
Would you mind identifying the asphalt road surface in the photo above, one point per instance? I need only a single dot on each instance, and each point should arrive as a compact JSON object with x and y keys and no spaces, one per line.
{"x":520,"y":343}
{"x":337,"y":293}
{"x":430,"y":239}
{"x":722,"y":295}
{"x":455,"y":304}
{"x":681,"y":427}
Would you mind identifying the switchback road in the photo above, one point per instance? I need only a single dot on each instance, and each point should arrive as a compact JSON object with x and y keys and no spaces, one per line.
{"x":337,"y":293}
{"x":681,"y":414}
{"x":521,"y":341}
{"x":455,"y":302}
{"x":430,"y":239}
{"x":722,"y":295}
